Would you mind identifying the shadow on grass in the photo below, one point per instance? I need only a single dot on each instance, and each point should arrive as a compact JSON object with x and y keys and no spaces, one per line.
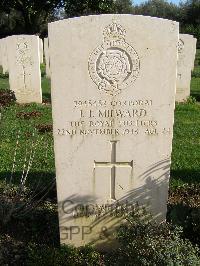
{"x":35,"y":180}
{"x":184,"y":208}
{"x":188,"y":217}
{"x":196,"y":95}
{"x":41,"y":226}
{"x":186,"y":175}
{"x":46,"y":97}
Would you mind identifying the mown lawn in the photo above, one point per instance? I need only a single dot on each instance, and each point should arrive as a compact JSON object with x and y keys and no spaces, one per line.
{"x":186,"y":142}
{"x":26,"y":130}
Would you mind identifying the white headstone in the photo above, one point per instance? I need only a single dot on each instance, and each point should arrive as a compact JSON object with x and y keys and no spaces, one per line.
{"x":185,"y":65}
{"x":194,"y":51}
{"x":47,"y":57}
{"x":5,"y":55}
{"x":41,"y":52}
{"x":1,"y":44}
{"x":24,"y":68}
{"x":113,"y":96}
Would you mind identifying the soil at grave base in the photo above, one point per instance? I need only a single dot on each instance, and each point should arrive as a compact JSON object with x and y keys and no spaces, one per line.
{"x":184,"y":211}
{"x":31,"y":227}
{"x":46,"y":102}
{"x":44,"y":128}
{"x":29,"y":115}
{"x":7,"y":97}
{"x":33,"y":215}
{"x":186,"y":195}
{"x":15,"y":237}
{"x":12,"y":252}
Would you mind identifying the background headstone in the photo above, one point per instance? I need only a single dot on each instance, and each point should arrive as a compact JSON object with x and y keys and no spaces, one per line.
{"x":41,"y":52}
{"x":5,"y":55}
{"x":47,"y":57}
{"x":24,"y":68}
{"x":185,"y":64}
{"x":1,"y":43}
{"x":194,"y":51}
{"x":113,"y":96}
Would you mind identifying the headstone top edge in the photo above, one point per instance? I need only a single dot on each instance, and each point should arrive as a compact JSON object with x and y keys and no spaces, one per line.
{"x":28,"y":36}
{"x":186,"y":35}
{"x":117,"y":16}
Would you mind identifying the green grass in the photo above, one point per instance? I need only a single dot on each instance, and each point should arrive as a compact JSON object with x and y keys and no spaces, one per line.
{"x":46,"y":94}
{"x":186,"y":142}
{"x":13,"y":128}
{"x":4,"y":83}
{"x":186,"y":145}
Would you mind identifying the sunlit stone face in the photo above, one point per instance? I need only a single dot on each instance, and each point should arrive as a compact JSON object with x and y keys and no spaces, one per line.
{"x":113,"y":95}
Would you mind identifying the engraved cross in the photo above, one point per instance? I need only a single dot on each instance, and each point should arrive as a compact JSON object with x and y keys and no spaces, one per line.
{"x":113,"y":164}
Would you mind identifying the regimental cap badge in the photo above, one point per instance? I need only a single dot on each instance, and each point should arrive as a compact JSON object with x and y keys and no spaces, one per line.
{"x":115,"y":32}
{"x":114,"y":64}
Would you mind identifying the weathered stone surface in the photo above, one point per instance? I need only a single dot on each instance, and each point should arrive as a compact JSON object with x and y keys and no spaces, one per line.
{"x":24,"y":68}
{"x":4,"y":55}
{"x":186,"y":56}
{"x":194,"y":51}
{"x":113,"y":94}
{"x":1,"y":43}
{"x":47,"y":57}
{"x":41,"y":51}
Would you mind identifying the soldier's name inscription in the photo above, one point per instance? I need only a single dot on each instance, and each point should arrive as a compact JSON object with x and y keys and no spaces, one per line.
{"x":101,"y":117}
